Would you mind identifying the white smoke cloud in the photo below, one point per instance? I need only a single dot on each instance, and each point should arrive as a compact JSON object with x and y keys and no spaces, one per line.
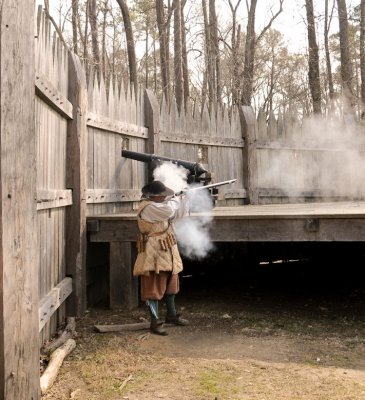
{"x":172,"y":175}
{"x":325,"y":156}
{"x":192,"y":232}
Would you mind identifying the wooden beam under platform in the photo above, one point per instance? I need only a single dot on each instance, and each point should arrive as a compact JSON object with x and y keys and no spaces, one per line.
{"x":318,"y":222}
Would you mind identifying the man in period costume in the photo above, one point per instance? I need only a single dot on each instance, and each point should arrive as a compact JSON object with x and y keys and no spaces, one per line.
{"x":158,"y":261}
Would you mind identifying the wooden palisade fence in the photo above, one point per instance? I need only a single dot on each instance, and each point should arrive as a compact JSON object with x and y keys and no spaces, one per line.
{"x":61,"y":142}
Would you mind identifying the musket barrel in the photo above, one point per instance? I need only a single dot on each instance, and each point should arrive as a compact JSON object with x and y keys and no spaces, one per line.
{"x":195,"y":168}
{"x":143,"y":157}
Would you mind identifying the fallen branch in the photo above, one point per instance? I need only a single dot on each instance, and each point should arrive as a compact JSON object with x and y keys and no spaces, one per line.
{"x":67,"y":334}
{"x":124,"y":383}
{"x":54,"y":365}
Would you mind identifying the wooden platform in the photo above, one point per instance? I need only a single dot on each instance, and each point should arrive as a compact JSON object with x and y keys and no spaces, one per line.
{"x":309,"y":222}
{"x":274,"y":222}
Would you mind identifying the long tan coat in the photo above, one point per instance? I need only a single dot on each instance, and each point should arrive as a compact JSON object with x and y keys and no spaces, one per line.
{"x":157,"y":248}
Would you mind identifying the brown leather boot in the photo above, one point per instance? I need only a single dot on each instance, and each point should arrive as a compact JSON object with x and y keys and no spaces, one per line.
{"x":176,"y":320}
{"x":156,"y":327}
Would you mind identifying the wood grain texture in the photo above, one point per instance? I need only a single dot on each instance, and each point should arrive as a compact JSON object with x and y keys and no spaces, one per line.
{"x":75,"y":250}
{"x":19,"y":351}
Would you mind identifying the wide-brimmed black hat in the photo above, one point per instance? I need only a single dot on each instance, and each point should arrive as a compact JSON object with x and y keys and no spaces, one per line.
{"x":156,"y":188}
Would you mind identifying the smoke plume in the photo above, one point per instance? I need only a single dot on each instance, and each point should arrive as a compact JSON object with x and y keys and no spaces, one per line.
{"x":325,"y":157}
{"x":192,"y":232}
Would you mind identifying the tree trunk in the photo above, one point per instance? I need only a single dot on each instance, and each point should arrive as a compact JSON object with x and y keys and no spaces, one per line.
{"x":179,"y":88}
{"x":362,"y":51}
{"x":248,"y":68}
{"x":130,"y":44}
{"x":250,"y":47}
{"x":94,"y":33}
{"x":327,"y":23}
{"x":103,"y":38}
{"x":185,"y":70}
{"x":163,"y":47}
{"x":215,"y":50}
{"x":209,"y":74}
{"x":235,"y":45}
{"x":146,"y":50}
{"x":86,"y":32}
{"x":75,"y":17}
{"x":313,"y":60}
{"x":346,"y":66}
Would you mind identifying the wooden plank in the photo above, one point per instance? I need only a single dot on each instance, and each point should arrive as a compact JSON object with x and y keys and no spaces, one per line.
{"x":295,"y":193}
{"x":19,"y":350}
{"x":76,"y":177}
{"x":235,"y":194}
{"x":111,"y":125}
{"x":261,"y":229}
{"x":122,"y":327}
{"x":302,"y":145}
{"x":123,"y":285}
{"x":45,"y":90}
{"x":112,"y":195}
{"x":219,"y":141}
{"x":53,"y":198}
{"x":53,"y":300}
{"x":280,"y":222}
{"x":289,"y":230}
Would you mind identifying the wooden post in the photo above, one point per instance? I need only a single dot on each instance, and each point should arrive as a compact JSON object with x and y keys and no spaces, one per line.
{"x":76,"y":180}
{"x":123,"y":285}
{"x":152,"y":118}
{"x":249,"y":133}
{"x":19,"y":341}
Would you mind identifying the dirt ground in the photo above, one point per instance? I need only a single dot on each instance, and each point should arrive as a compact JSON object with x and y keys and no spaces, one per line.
{"x":244,"y":341}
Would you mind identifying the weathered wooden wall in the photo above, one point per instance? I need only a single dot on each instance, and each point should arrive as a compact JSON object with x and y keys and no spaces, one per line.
{"x":317,"y":159}
{"x":19,"y":352}
{"x":115,"y":118}
{"x":53,"y":110}
{"x":213,"y":139}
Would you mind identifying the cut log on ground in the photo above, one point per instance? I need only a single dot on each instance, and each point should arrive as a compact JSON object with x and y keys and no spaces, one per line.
{"x":54,"y":365}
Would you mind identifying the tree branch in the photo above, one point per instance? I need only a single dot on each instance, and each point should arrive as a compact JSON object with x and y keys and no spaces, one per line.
{"x":271,"y":21}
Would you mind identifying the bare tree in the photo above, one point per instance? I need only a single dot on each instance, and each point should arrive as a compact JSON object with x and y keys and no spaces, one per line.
{"x":250,"y":45}
{"x":185,"y":69}
{"x":235,"y":45}
{"x":209,"y":77}
{"x":179,"y":87}
{"x":104,"y":10}
{"x":313,"y":59}
{"x":57,"y":28}
{"x":94,"y":33}
{"x":164,"y":54}
{"x":130,"y":44}
{"x":213,"y":24}
{"x":346,"y":65}
{"x":327,"y":24}
{"x":362,"y":50}
{"x":75,"y":17}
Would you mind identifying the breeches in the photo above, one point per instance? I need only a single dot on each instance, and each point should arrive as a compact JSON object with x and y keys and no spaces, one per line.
{"x":155,"y":286}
